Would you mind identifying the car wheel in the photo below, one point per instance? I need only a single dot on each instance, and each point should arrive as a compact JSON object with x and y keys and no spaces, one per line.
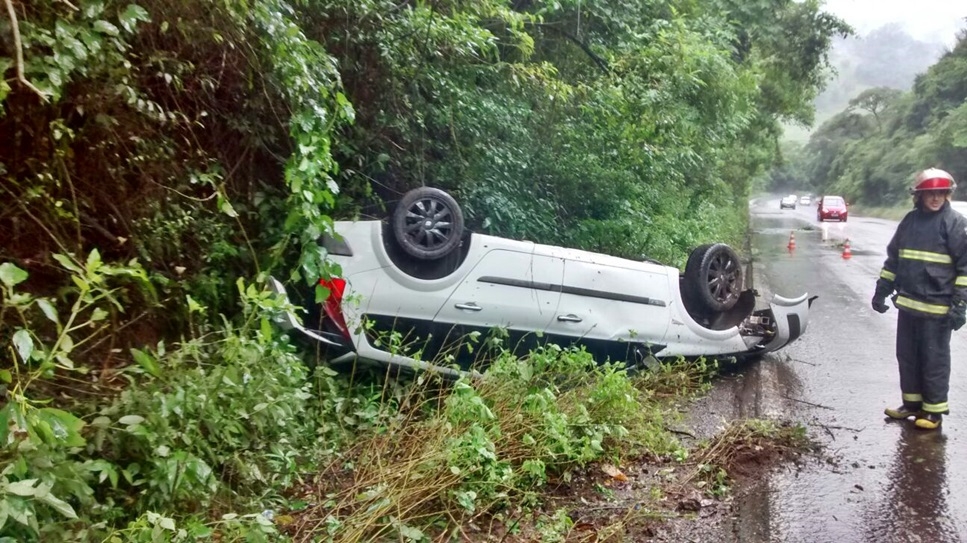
{"x":713,"y":277}
{"x":427,"y":223}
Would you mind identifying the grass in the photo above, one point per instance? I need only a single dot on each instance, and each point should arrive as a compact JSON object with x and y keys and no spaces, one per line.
{"x":485,"y":454}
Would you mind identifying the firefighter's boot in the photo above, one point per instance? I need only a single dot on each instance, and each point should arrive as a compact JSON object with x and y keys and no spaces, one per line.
{"x":905,"y":411}
{"x":929,"y":421}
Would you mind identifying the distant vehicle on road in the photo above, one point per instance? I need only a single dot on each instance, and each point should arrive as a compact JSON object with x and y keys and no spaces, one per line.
{"x":788,"y":202}
{"x":806,"y":200}
{"x":832,"y":208}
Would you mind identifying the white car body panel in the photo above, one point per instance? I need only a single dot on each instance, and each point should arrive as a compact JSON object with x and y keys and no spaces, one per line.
{"x":534,"y":288}
{"x":608,"y":300}
{"x":488,"y":304}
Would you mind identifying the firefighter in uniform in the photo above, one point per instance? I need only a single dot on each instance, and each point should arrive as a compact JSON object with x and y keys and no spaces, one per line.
{"x":925,"y":273}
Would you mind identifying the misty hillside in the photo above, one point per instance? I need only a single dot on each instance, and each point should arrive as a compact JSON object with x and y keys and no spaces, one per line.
{"x":886,"y":57}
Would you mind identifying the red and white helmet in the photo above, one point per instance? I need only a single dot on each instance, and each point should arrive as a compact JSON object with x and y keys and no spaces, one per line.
{"x":933,"y":179}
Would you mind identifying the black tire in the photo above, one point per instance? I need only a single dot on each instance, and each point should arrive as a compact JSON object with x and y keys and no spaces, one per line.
{"x":713,"y":278}
{"x":427,"y":223}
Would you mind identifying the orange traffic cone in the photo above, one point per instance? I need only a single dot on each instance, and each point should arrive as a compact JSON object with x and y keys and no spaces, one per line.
{"x":792,"y":241}
{"x":847,"y":252}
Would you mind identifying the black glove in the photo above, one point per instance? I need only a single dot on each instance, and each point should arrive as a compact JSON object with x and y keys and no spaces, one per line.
{"x":879,"y":304}
{"x":957,"y":314}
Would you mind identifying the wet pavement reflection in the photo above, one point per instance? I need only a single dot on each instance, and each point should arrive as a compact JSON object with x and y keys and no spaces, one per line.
{"x":914,"y":506}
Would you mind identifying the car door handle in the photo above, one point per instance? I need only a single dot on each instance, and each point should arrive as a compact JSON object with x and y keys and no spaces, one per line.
{"x":470,"y":306}
{"x":570,"y":317}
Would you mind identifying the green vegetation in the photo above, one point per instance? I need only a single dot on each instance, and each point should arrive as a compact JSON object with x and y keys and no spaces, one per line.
{"x":159,"y":159}
{"x":871,"y":151}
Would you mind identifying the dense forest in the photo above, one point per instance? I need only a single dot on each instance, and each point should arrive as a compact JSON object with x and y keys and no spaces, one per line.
{"x":870,"y":151}
{"x":159,"y":159}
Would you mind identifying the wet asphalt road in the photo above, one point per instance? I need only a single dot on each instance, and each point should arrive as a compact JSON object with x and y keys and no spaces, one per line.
{"x":886,"y":481}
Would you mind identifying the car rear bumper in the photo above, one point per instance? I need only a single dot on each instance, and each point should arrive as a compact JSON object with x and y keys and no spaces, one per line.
{"x":832,"y":216}
{"x":288,"y":320}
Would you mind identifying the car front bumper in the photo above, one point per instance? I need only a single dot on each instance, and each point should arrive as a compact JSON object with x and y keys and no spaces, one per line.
{"x":789,"y":319}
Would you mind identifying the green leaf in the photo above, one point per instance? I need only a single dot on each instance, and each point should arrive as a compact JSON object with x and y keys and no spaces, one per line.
{"x":10,"y":274}
{"x":8,"y":421}
{"x":81,"y":283}
{"x":67,"y":263}
{"x":147,"y":362}
{"x":58,"y":505}
{"x":65,"y":361}
{"x":131,"y":420}
{"x":67,"y":344}
{"x":101,"y":422}
{"x":22,"y":488}
{"x":98,"y":315}
{"x":24,"y":344}
{"x":105,"y":27}
{"x":6,"y":376}
{"x":65,"y":427}
{"x":4,"y":90}
{"x":94,"y":260}
{"x":105,"y":471}
{"x":131,"y":15}
{"x":226,"y":207}
{"x":411,"y":533}
{"x":48,"y":309}
{"x":194,"y":306}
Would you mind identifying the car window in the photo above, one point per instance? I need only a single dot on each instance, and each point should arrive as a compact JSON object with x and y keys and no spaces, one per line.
{"x":832,"y":201}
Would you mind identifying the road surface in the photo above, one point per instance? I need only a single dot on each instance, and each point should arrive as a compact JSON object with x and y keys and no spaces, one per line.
{"x":879,"y":480}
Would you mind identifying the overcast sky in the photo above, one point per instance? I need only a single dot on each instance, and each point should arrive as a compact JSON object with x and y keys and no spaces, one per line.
{"x":927,"y":20}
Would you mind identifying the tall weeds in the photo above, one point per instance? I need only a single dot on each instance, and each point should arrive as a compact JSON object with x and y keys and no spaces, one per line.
{"x":481,"y":446}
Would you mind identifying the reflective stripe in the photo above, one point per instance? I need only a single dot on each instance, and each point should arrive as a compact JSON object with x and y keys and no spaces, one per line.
{"x":888,"y":275}
{"x":961,"y":281}
{"x":926,"y":256}
{"x":913,"y":398}
{"x":936,"y":407}
{"x":920,"y":306}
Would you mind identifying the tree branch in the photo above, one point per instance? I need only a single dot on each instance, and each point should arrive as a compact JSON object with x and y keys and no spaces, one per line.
{"x":18,"y":46}
{"x":584,"y":47}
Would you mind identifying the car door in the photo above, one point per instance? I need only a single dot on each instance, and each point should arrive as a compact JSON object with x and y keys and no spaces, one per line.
{"x":511,"y":289}
{"x":612,"y":309}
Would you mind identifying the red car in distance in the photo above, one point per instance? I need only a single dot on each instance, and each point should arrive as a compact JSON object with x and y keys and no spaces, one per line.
{"x":832,"y":208}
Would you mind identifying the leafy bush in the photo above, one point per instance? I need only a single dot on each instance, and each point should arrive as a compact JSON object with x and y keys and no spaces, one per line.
{"x":217,"y":424}
{"x":482,"y":445}
{"x":47,"y":471}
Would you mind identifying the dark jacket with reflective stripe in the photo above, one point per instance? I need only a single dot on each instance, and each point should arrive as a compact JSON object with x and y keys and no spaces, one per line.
{"x":926,"y":262}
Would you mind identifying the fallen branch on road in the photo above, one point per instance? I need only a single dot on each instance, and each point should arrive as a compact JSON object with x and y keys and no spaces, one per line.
{"x":807,"y":403}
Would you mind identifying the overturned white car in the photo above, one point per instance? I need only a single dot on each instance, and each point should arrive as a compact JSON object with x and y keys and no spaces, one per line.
{"x":415,"y":289}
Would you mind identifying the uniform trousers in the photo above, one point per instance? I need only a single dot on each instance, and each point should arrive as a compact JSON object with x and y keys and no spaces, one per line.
{"x":923,"y":354}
